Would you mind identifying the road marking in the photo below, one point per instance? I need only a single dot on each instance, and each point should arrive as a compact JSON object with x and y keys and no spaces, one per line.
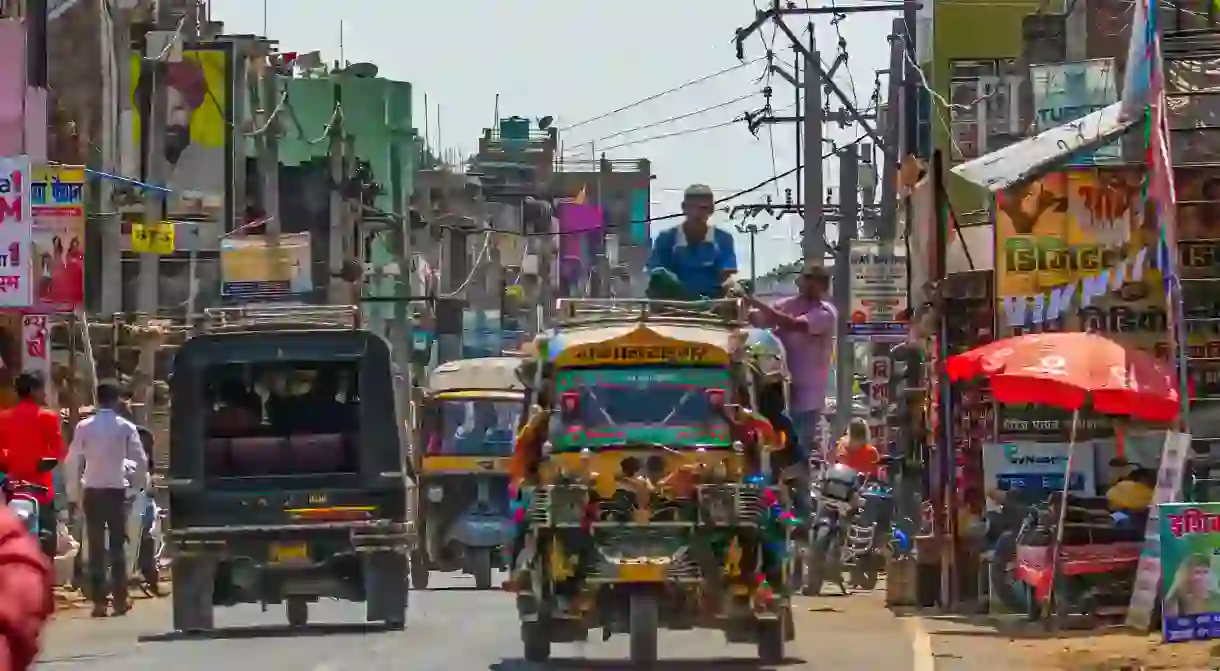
{"x":921,"y":645}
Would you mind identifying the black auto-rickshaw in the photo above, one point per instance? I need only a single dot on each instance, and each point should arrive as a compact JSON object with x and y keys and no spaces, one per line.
{"x":286,"y":474}
{"x":472,"y":409}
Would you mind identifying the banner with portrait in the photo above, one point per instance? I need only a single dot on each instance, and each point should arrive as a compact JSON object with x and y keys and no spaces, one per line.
{"x":199,"y":133}
{"x":58,"y":194}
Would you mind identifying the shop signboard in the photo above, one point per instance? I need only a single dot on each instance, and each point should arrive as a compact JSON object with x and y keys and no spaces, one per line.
{"x":251,"y":267}
{"x":16,"y":233}
{"x":1190,"y":566}
{"x":1148,"y":586}
{"x":878,"y":290}
{"x":1064,"y":92}
{"x":58,"y":207}
{"x":1075,"y":253}
{"x":1028,"y":465}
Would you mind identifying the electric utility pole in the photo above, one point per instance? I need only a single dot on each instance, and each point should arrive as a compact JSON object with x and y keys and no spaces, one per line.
{"x":752,"y":229}
{"x":887,"y":228}
{"x":336,"y":289}
{"x":849,"y":215}
{"x":813,"y":243}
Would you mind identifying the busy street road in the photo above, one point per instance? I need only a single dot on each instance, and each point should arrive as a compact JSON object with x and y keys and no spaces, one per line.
{"x":452,"y":627}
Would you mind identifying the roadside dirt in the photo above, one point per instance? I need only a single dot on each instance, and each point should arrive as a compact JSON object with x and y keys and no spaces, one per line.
{"x":1118,"y":652}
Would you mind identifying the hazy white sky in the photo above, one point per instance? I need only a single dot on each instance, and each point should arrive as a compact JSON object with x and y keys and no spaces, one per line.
{"x":579,"y":59}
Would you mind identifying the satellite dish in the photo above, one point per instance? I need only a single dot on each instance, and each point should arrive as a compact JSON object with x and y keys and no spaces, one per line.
{"x":545,"y":122}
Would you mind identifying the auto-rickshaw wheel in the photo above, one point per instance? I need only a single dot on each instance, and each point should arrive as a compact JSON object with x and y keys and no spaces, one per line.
{"x":298,"y":611}
{"x":537,"y":642}
{"x":643,"y":627}
{"x":419,"y":571}
{"x":771,"y":641}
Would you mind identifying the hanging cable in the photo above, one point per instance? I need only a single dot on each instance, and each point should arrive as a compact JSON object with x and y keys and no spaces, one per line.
{"x":478,"y":263}
{"x":662,"y":94}
{"x":671,"y":119}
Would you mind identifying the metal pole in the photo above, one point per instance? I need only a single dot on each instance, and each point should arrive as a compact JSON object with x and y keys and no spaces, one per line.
{"x":753,"y":270}
{"x":336,"y":294}
{"x":147,"y":296}
{"x":796,"y":90}
{"x":813,"y":245}
{"x":888,"y":226}
{"x":910,"y":94}
{"x":269,"y":156}
{"x":849,"y":211}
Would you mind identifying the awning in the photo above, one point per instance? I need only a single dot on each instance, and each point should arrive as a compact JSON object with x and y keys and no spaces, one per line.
{"x":1034,"y":156}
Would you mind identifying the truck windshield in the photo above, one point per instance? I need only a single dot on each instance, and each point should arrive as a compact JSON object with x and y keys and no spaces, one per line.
{"x":281,"y":418}
{"x":477,"y":427}
{"x":670,"y":397}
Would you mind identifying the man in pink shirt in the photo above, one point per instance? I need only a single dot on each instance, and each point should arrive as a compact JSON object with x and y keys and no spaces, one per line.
{"x":806,"y":325}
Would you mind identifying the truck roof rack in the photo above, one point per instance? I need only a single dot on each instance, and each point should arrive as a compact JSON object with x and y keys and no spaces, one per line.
{"x":299,"y":317}
{"x":722,"y":313}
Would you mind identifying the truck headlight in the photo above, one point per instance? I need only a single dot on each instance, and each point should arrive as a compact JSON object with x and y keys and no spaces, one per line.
{"x":717,"y":505}
{"x":436,"y":493}
{"x":567,"y":505}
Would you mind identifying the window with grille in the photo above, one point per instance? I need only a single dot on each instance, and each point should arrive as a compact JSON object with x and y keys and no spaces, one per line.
{"x":985,"y":115}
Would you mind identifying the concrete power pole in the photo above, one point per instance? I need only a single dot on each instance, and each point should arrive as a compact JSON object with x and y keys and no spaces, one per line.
{"x":888,"y":226}
{"x":849,"y":211}
{"x":269,"y":150}
{"x":158,"y":49}
{"x":813,"y":242}
{"x":337,"y":293}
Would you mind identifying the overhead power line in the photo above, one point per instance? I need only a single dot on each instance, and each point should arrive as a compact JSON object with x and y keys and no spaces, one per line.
{"x":677,"y":133}
{"x":671,"y":119}
{"x":662,"y":94}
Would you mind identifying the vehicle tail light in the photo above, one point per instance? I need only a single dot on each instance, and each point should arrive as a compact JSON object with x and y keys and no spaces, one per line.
{"x":716,"y":397}
{"x":569,"y":401}
{"x":333,"y":514}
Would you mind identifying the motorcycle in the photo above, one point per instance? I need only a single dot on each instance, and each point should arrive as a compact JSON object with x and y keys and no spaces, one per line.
{"x":22,"y":500}
{"x":869,"y":533}
{"x":835,"y":541}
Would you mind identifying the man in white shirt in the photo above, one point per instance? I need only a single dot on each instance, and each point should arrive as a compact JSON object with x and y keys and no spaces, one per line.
{"x":96,"y":460}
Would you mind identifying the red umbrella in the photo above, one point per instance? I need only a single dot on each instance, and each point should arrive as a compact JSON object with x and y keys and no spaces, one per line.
{"x":1070,"y":370}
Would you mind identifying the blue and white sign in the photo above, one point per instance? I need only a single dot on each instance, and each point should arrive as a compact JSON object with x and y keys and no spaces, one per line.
{"x":878,"y":290}
{"x":1039,"y":466}
{"x":1065,"y":92}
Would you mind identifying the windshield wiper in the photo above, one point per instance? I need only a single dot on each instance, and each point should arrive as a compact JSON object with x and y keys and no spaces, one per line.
{"x":598,"y":402}
{"x":677,"y":406}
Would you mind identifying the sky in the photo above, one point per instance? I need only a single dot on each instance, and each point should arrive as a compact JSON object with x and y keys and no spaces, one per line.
{"x":579,"y":60}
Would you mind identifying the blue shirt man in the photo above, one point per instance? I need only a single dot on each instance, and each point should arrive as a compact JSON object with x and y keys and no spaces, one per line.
{"x":699,"y":256}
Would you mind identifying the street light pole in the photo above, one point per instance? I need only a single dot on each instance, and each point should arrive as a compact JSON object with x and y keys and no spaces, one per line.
{"x":751,"y":229}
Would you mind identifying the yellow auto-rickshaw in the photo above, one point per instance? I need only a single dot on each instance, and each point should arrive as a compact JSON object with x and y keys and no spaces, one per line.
{"x":471,"y":411}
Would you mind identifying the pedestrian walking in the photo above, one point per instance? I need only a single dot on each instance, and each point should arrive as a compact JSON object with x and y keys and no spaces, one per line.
{"x":99,"y":471}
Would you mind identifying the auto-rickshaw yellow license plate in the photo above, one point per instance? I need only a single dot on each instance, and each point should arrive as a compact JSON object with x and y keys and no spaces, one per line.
{"x":289,"y":553}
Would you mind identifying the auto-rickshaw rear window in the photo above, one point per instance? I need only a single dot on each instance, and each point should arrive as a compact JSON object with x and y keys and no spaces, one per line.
{"x":280,"y":418}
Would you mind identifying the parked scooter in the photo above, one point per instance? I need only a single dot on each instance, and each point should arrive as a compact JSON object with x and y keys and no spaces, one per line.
{"x":21,"y":499}
{"x":837,"y":502}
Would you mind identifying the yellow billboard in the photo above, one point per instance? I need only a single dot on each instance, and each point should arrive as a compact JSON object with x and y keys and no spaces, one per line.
{"x":198,"y":136}
{"x":251,"y":267}
{"x":1074,"y":252}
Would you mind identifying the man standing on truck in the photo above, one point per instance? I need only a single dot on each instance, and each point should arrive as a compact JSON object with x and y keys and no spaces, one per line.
{"x":694,"y":260}
{"x":101,"y":446}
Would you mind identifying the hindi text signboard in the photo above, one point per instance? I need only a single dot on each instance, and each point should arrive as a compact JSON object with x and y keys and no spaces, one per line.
{"x":16,"y":233}
{"x":878,"y":290}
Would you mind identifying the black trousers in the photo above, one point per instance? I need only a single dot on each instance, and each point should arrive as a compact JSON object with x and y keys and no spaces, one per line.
{"x":48,"y":529}
{"x":106,"y":519}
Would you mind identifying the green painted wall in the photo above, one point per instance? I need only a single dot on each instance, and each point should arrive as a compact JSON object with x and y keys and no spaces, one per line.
{"x":970,"y":29}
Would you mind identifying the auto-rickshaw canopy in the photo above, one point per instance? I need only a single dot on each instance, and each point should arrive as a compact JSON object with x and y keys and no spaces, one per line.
{"x":491,"y":374}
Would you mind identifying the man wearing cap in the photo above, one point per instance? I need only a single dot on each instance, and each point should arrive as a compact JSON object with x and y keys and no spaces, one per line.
{"x":693,"y":260}
{"x":806,"y":325}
